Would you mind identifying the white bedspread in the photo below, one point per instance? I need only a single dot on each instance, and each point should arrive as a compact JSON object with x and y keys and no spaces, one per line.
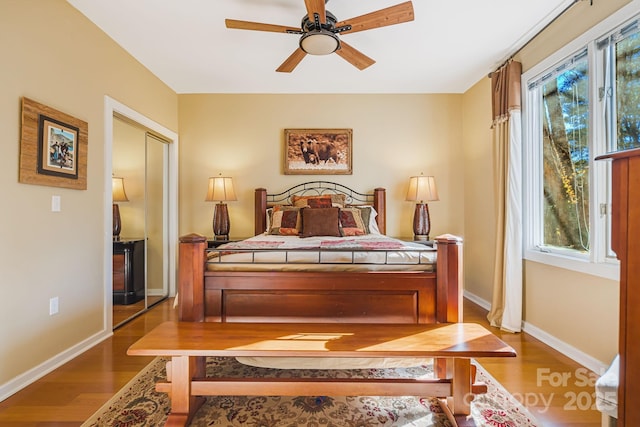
{"x":371,"y":252}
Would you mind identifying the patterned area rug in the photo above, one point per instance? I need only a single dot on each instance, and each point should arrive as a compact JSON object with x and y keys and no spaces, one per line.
{"x":138,"y":405}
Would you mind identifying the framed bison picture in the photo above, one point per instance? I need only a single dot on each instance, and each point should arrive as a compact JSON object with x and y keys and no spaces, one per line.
{"x":318,"y":151}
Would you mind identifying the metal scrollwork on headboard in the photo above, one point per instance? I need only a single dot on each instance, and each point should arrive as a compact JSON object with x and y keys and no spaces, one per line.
{"x":318,"y":188}
{"x":377,"y":199}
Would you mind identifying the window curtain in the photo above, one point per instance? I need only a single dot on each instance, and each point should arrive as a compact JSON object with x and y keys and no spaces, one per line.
{"x":506,"y":306}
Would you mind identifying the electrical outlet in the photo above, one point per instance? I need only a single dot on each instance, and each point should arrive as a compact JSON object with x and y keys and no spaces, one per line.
{"x":53,"y":306}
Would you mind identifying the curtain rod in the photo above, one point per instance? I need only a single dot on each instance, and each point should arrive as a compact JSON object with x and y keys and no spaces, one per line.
{"x":538,"y":33}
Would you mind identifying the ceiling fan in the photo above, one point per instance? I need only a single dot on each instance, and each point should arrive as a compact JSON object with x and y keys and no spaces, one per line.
{"x":320,"y":28}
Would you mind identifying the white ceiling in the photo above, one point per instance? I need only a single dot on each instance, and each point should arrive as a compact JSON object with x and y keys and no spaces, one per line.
{"x":449,"y":46}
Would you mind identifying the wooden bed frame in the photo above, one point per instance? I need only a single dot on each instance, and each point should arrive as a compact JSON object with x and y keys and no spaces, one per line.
{"x":319,"y":297}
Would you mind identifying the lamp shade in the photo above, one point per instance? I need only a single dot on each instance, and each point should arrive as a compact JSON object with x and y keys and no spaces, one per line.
{"x":220,"y":189}
{"x":422,"y":189}
{"x":117,"y":190}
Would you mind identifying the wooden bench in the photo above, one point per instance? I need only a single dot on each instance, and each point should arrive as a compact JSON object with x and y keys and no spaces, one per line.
{"x":187,"y":343}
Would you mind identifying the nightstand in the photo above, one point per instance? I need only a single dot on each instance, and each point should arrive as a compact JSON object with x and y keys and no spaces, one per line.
{"x":128,"y":271}
{"x":429,"y":243}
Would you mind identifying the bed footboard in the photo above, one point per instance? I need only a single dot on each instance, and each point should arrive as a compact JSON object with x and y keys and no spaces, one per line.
{"x":450,"y":280}
{"x":191,"y":266}
{"x":351,"y":297}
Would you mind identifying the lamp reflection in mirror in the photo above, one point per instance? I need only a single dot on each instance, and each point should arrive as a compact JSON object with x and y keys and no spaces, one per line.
{"x":118,"y":195}
{"x":422,"y":189}
{"x":221,"y":190}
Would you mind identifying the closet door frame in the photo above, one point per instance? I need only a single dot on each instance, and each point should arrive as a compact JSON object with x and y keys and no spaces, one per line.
{"x":111,"y":107}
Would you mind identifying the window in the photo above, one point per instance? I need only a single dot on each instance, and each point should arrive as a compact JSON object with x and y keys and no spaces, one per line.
{"x":559,"y":112}
{"x":580,"y":103}
{"x":565,"y":156}
{"x":621,"y":53}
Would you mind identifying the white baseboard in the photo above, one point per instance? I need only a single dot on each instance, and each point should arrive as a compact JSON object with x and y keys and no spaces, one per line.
{"x":21,"y":381}
{"x":476,"y":299}
{"x":568,"y":350}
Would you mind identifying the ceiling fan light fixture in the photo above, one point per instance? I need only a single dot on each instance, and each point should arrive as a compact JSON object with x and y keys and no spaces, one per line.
{"x":319,"y":42}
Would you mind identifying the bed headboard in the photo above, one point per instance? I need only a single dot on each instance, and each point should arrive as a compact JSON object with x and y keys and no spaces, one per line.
{"x":264,"y":200}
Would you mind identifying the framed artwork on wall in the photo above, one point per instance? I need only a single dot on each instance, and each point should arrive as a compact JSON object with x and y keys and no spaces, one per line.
{"x":318,"y":151}
{"x":57,"y":148}
{"x":53,"y":147}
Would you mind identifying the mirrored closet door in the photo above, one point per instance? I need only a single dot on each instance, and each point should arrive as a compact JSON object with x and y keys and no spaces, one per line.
{"x":140,"y":250}
{"x":156,"y":223}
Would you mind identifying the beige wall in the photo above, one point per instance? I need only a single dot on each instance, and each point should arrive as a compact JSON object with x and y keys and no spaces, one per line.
{"x":578,"y":309}
{"x":54,"y":55}
{"x":479,"y":190}
{"x":394,"y":137}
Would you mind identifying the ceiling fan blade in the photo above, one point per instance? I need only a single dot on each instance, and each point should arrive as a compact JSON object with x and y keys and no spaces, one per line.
{"x":354,"y":56}
{"x":316,"y":6}
{"x":292,"y":61}
{"x":397,"y":14}
{"x":257,"y":26}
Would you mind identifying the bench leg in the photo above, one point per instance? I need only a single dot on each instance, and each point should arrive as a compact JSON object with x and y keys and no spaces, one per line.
{"x":444,"y":368}
{"x":441,"y":367}
{"x":462,"y":383}
{"x":463,"y":376}
{"x":183,"y":404}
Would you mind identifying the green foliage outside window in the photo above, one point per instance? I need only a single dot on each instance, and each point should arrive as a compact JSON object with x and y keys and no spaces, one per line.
{"x":565,"y":111}
{"x":578,"y":108}
{"x":628,"y":92}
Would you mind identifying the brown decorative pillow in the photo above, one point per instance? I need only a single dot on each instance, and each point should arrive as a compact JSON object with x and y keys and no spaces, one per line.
{"x":285,"y":220}
{"x":351,"y":222}
{"x":320,"y":202}
{"x":320,"y":222}
{"x":323,"y":201}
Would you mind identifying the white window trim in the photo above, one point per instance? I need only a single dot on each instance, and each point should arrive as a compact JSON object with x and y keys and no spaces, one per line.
{"x":597,"y":263}
{"x":607,"y":270}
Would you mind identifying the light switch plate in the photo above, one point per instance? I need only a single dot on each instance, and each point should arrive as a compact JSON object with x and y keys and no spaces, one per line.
{"x":55,"y":203}
{"x":53,"y":306}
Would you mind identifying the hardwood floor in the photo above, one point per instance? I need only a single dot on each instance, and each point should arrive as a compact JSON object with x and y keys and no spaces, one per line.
{"x":123,"y":313}
{"x":70,"y":394}
{"x":556,"y":390}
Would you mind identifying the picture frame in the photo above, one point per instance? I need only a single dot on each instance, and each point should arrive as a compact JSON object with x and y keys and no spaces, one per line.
{"x":57,"y":148}
{"x":318,"y":151}
{"x":53,"y":147}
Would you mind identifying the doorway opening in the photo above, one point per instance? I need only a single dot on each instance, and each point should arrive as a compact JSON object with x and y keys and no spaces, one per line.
{"x":140,"y":261}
